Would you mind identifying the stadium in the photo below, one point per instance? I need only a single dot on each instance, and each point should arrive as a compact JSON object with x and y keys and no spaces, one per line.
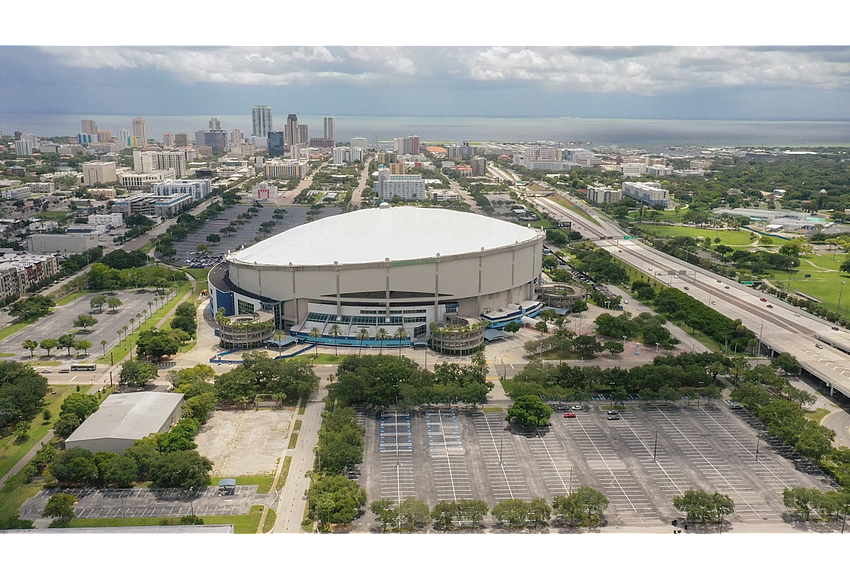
{"x":386,"y":275}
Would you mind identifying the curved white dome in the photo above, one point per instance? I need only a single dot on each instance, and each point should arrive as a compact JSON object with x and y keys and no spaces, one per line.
{"x":372,"y":235}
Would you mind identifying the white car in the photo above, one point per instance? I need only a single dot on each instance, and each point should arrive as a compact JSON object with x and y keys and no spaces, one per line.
{"x":575,"y":408}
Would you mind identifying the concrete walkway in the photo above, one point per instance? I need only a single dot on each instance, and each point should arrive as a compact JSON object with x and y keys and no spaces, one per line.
{"x":26,"y":458}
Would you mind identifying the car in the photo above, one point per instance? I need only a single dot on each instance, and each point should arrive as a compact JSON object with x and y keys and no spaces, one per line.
{"x":614,"y":412}
{"x":770,"y":305}
{"x":619,"y":251}
{"x":649,"y":268}
{"x":563,"y":408}
{"x":797,"y":314}
{"x":613,"y":417}
{"x":818,"y":346}
{"x":625,"y":301}
{"x":763,"y":299}
{"x":45,"y":371}
{"x":834,"y":328}
{"x":686,"y":288}
{"x":736,"y":406}
{"x":576,"y":408}
{"x":569,"y":415}
{"x":64,"y":371}
{"x":718,"y":281}
{"x":713,"y":302}
{"x":727,"y":287}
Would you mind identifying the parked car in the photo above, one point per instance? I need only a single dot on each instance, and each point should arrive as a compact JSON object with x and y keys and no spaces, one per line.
{"x":569,"y":415}
{"x":818,"y":346}
{"x":613,"y":417}
{"x":614,"y":412}
{"x":736,"y":406}
{"x":713,"y":302}
{"x":576,"y":408}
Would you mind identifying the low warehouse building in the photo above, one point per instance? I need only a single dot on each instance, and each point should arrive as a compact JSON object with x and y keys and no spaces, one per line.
{"x":125,"y":418}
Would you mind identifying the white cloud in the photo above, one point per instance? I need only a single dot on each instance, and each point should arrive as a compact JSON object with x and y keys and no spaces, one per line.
{"x":639,"y":70}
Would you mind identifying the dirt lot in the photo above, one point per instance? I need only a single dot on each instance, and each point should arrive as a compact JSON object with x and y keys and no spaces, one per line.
{"x":244,"y":442}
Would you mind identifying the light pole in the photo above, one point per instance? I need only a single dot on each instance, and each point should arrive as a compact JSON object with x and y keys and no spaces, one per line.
{"x":840,"y":289}
{"x":123,"y":512}
{"x":655,"y":448}
{"x":758,"y":440}
{"x":571,"y":481}
{"x":500,"y":449}
{"x":656,"y":347}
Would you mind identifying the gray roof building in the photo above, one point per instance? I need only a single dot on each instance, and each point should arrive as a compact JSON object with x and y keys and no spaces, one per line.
{"x":124,"y":418}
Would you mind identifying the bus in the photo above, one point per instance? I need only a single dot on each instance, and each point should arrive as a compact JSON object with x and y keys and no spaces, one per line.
{"x":84,"y":367}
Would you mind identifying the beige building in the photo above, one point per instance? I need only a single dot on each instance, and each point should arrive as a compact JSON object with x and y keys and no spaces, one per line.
{"x":99,"y":172}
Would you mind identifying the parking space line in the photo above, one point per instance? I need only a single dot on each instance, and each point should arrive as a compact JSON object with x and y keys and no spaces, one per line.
{"x":611,"y":471}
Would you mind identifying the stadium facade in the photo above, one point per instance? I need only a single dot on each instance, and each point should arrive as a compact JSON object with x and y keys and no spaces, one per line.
{"x":385,"y":268}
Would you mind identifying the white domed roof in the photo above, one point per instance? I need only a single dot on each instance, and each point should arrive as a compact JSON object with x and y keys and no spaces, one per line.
{"x":373,"y":235}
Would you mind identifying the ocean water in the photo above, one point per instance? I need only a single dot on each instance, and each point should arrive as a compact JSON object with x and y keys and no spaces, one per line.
{"x":650,"y":134}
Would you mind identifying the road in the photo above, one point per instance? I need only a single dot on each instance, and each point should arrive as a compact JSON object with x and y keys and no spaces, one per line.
{"x":780,"y":327}
{"x":357,"y":195}
{"x":288,"y":197}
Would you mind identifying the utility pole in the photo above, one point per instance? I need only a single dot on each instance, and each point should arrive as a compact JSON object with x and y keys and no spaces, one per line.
{"x":655,"y":448}
{"x":758,"y":440}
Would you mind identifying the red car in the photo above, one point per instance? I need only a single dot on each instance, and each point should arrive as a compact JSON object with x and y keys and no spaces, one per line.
{"x":569,"y":415}
{"x":763,"y":299}
{"x":770,"y":305}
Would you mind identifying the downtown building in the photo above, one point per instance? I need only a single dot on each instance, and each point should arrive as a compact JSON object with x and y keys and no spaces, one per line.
{"x":285,"y":168}
{"x":599,"y":194}
{"x":140,"y":130}
{"x":407,"y":187}
{"x":152,"y":161}
{"x":407,"y":145}
{"x":647,"y":192}
{"x":261,"y":121}
{"x":197,"y":188}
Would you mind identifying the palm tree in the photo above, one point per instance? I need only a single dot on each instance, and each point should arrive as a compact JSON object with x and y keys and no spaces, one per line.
{"x":124,"y":328}
{"x":362,"y":335}
{"x":139,"y":319}
{"x":150,"y":304}
{"x":316,"y":334}
{"x":103,"y":346}
{"x":401,"y":335}
{"x":277,"y":335}
{"x":382,"y":335}
{"x":132,"y":321}
{"x":335,"y":331}
{"x":119,"y":335}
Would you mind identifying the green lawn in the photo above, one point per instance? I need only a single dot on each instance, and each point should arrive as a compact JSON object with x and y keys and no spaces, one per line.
{"x":10,"y":453}
{"x":293,"y":441}
{"x":322,"y":358}
{"x":728,"y":237}
{"x":44,"y":363}
{"x":263,"y":481}
{"x":562,"y":201}
{"x":245,"y":524}
{"x":12,"y":329}
{"x":284,"y":471}
{"x":15,"y":493}
{"x":70,"y":298}
{"x":817,"y":414}
{"x":4,"y":354}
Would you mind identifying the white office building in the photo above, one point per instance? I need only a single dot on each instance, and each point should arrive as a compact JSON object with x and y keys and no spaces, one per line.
{"x":264,"y":191}
{"x":599,"y":194}
{"x":408,"y":187}
{"x":285,"y":168}
{"x":23,"y":148}
{"x":648,"y":192}
{"x":140,"y":130}
{"x":359,"y":142}
{"x":99,"y":172}
{"x":116,"y":220}
{"x":143,"y":180}
{"x":198,"y":188}
{"x":330,"y":132}
{"x":153,"y":161}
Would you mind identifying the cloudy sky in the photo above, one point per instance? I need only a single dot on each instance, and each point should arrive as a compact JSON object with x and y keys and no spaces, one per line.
{"x":635,"y":82}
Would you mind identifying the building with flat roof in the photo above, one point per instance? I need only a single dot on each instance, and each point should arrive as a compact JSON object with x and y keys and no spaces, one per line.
{"x":19,"y":271}
{"x":407,"y":187}
{"x":198,"y":188}
{"x":261,"y":120}
{"x":99,"y":172}
{"x":599,"y":194}
{"x":648,"y":192}
{"x":65,"y":244}
{"x":123,"y":419}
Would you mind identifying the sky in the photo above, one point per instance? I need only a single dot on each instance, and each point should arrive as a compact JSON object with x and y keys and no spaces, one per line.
{"x":685,"y":82}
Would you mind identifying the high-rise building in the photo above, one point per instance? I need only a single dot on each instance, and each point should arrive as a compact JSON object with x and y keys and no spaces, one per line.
{"x":152,"y":161}
{"x":303,"y":136}
{"x":275,"y":143}
{"x":236,"y":137}
{"x":200,"y":137}
{"x":140,"y":130}
{"x":89,"y":127}
{"x":292,"y":133}
{"x":123,"y":135}
{"x":215,"y":125}
{"x":181,"y":140}
{"x":99,"y":172}
{"x":168,"y":139}
{"x":104,"y":135}
{"x":407,"y":145}
{"x":330,"y":133}
{"x":216,"y":139}
{"x":22,"y":148}
{"x":359,"y":142}
{"x":261,"y":116}
{"x":479,"y":167}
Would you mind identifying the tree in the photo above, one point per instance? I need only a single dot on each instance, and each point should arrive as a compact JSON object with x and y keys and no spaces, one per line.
{"x":202,"y":248}
{"x":66,"y":425}
{"x":84,"y":321}
{"x":80,"y":405}
{"x":583,"y":507}
{"x":156,"y":345}
{"x":362,"y":334}
{"x":444,"y":514}
{"x":30,"y":345}
{"x":67,"y":341}
{"x":400,"y":335}
{"x":334,"y":499}
{"x":801,"y":499}
{"x":512,"y":327}
{"x":382,"y":335}
{"x":114,"y":302}
{"x":667,"y":393}
{"x":385,"y":512}
{"x":529,"y":412}
{"x":614,"y":347}
{"x":512,"y":511}
{"x":700,"y":506}
{"x":136,"y":374}
{"x":788,"y":363}
{"x":618,"y":395}
{"x":75,"y":466}
{"x":49,"y":344}
{"x":586,"y":345}
{"x":213,"y":238}
{"x":315,"y":335}
{"x":97,"y":301}
{"x":60,"y":506}
{"x":413,"y":514}
{"x":541,"y":326}
{"x":83,"y":345}
{"x":335,"y":331}
{"x":579,"y":306}
{"x":473,"y":510}
{"x":539,"y":511}
{"x":119,"y":471}
{"x":183,"y":469}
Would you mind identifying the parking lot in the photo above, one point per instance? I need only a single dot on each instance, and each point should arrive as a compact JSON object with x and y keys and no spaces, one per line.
{"x":640,"y":462}
{"x":61,"y":321}
{"x":245,"y":235}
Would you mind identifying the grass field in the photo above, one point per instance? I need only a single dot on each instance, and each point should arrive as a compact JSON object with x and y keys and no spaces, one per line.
{"x":12,"y":329}
{"x":825,"y":285}
{"x":246,"y":524}
{"x":15,"y":493}
{"x":70,"y":298}
{"x":562,"y":201}
{"x":729,"y":237}
{"x":263,"y":481}
{"x":10,"y":453}
{"x":323,"y":358}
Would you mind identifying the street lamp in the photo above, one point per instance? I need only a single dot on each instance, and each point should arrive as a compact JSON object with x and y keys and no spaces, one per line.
{"x":656,"y":347}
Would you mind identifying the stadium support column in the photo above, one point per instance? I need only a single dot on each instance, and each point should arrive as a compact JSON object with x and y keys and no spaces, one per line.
{"x":480,"y":274}
{"x":513,"y":272}
{"x":437,"y":287}
{"x":338,"y":301}
{"x":294,"y":296}
{"x":387,"y":262}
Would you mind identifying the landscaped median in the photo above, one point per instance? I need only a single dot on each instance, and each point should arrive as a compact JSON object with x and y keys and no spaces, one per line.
{"x":119,"y":351}
{"x":244,"y":524}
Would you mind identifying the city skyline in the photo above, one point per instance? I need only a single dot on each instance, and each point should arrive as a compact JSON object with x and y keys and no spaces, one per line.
{"x":790,"y":82}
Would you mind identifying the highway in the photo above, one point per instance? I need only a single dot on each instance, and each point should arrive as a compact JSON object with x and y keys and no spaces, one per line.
{"x":779,"y":326}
